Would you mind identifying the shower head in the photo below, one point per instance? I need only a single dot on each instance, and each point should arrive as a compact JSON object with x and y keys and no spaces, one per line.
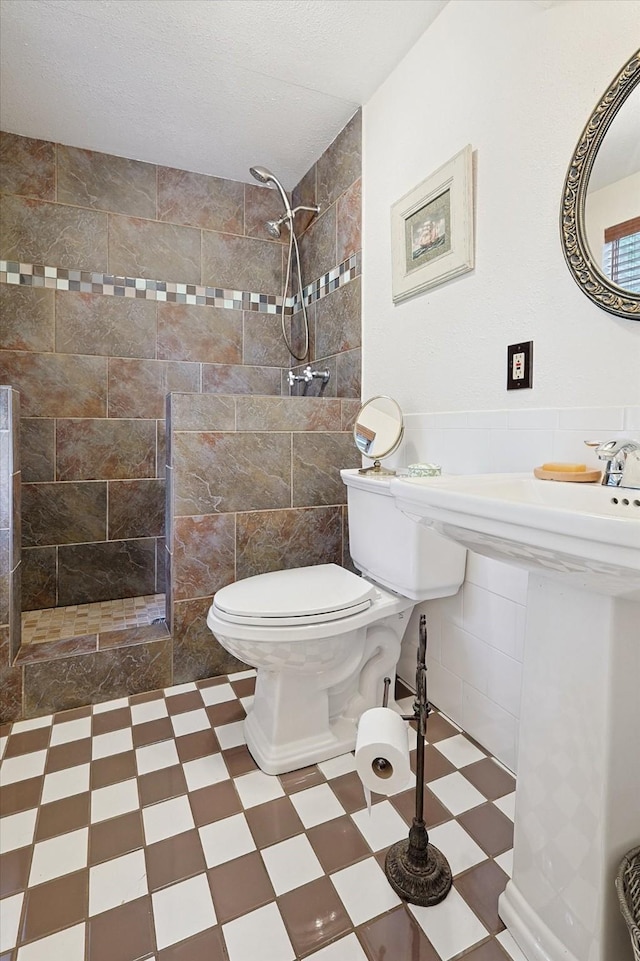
{"x":264,"y":176}
{"x":261,"y":174}
{"x":273,"y":228}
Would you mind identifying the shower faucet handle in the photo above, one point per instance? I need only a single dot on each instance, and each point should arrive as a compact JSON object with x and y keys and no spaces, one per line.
{"x":308,"y":376}
{"x":323,"y":375}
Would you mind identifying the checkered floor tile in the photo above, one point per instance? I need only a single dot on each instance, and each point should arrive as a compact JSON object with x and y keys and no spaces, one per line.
{"x":142,"y":829}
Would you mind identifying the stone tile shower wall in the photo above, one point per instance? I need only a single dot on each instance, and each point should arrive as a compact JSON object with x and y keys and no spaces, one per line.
{"x":334,"y":182}
{"x":253,"y":485}
{"x":93,"y":370}
{"x":10,"y":566}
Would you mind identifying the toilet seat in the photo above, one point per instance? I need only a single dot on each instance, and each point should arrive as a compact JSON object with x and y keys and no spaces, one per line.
{"x":303,"y":595}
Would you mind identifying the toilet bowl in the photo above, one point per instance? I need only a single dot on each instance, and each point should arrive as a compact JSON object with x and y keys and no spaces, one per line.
{"x":322,"y":639}
{"x":317,"y":669}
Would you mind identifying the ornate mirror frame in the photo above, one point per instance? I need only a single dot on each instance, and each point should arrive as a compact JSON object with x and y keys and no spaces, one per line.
{"x":586,"y":274}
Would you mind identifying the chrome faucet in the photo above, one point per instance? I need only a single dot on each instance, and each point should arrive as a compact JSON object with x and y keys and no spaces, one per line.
{"x":622,"y":458}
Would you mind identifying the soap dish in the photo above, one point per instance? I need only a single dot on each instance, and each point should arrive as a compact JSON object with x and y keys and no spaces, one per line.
{"x":424,"y":470}
{"x":575,"y":477}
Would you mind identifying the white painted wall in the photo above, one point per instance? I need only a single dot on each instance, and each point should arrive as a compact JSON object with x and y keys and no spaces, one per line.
{"x":517,"y":80}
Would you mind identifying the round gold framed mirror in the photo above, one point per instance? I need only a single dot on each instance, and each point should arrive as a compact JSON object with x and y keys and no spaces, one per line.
{"x":600,"y":216}
{"x":378,"y":430}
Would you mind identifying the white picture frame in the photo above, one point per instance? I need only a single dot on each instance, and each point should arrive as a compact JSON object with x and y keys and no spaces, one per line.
{"x":432,"y":229}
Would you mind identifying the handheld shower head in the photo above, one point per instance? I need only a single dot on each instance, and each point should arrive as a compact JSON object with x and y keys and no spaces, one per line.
{"x":264,"y":176}
{"x":261,"y":174}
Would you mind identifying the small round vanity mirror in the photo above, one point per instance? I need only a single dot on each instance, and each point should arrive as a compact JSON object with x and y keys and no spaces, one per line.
{"x":378,"y":431}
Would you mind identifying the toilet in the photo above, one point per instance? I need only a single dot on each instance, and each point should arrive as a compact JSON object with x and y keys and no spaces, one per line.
{"x":322,"y":639}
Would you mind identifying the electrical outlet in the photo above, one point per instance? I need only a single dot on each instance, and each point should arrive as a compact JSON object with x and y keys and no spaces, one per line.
{"x":520,"y":365}
{"x":517,"y":366}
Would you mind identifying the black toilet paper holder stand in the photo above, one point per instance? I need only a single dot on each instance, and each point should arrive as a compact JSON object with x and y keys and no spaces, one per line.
{"x":416,"y":870}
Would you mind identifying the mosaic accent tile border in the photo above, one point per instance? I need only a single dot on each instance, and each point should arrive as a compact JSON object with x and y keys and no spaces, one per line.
{"x":141,"y":288}
{"x":337,"y":277}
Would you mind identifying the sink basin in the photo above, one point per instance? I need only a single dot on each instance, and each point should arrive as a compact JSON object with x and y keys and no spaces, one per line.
{"x":578,"y":784}
{"x":585,"y":533}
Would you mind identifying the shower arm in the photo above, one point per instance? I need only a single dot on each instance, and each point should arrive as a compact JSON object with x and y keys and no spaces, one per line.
{"x":314,"y":208}
{"x":288,"y":216}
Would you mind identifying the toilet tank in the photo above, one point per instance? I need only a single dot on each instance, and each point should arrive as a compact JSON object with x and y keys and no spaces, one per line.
{"x":393,"y":550}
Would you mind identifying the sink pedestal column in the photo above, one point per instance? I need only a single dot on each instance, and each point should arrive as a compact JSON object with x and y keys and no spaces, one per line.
{"x":578,"y":788}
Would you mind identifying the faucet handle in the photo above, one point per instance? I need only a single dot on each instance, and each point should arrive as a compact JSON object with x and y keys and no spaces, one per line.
{"x":625,"y":444}
{"x":604,"y":450}
{"x":623,"y":461}
{"x":609,"y":448}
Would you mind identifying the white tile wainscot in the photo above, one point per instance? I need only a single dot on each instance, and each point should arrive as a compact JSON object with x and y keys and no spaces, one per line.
{"x":476,"y":639}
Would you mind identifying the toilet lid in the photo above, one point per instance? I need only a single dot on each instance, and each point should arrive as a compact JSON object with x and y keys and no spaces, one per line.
{"x":325,"y":592}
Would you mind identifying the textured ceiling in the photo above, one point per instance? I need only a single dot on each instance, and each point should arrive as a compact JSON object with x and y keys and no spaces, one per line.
{"x":211,"y":86}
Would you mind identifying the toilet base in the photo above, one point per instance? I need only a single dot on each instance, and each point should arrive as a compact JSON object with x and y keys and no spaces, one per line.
{"x":271,"y":758}
{"x":301,"y":718}
{"x":314,"y":680}
{"x":290,"y":724}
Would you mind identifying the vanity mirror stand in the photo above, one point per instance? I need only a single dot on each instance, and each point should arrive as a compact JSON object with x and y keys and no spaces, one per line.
{"x":378,"y":431}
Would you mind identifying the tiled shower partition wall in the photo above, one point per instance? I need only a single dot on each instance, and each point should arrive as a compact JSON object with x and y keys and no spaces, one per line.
{"x":103,"y":314}
{"x":10,"y":565}
{"x":253,"y":485}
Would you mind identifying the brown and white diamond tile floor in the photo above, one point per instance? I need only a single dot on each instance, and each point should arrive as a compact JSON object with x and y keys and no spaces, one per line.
{"x":141,"y":829}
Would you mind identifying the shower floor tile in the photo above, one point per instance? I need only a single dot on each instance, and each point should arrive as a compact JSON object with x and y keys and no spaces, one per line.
{"x":130,"y":831}
{"x":56,"y":623}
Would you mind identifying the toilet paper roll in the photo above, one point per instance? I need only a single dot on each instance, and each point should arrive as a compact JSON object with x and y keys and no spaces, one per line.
{"x":382,"y":751}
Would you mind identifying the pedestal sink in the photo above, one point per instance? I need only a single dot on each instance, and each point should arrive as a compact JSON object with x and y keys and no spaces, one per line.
{"x":578,"y":787}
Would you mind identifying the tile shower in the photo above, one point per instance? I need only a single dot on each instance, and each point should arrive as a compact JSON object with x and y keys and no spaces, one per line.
{"x":122,"y":282}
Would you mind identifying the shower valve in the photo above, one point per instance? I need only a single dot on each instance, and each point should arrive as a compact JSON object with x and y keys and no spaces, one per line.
{"x":308,"y":375}
{"x":323,"y":375}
